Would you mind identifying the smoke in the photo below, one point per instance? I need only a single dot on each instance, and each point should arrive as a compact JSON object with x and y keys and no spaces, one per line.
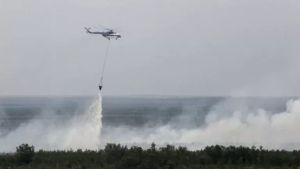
{"x":223,"y":125}
{"x":81,"y":131}
{"x":277,"y":131}
{"x":226,"y":123}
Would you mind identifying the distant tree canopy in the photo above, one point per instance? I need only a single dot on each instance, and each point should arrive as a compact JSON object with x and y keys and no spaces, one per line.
{"x":116,"y":156}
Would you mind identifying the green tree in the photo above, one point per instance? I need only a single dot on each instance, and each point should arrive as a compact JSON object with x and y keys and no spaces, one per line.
{"x":25,"y":153}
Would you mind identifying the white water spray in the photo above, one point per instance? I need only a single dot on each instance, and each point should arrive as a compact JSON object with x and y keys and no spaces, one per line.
{"x":82,"y":131}
{"x":85,"y":130}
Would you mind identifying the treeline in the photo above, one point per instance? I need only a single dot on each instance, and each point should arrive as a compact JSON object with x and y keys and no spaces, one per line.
{"x":116,"y":156}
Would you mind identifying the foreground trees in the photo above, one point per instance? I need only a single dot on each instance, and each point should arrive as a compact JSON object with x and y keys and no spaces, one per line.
{"x":116,"y":156}
{"x":24,"y":154}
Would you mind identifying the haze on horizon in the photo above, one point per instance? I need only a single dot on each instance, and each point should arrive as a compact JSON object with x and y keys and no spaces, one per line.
{"x":169,"y":47}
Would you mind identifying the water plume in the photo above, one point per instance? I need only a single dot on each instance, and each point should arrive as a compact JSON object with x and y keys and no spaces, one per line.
{"x":81,"y":131}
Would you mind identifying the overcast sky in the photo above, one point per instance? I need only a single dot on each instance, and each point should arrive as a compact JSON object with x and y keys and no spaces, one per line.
{"x":169,"y":47}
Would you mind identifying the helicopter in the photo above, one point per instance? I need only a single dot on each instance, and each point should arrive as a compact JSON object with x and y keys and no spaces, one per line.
{"x":108,"y":33}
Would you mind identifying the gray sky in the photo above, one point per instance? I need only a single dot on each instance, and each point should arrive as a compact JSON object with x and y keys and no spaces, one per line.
{"x":169,"y":47}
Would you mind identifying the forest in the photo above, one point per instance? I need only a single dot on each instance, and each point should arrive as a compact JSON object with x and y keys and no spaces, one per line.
{"x":116,"y":156}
